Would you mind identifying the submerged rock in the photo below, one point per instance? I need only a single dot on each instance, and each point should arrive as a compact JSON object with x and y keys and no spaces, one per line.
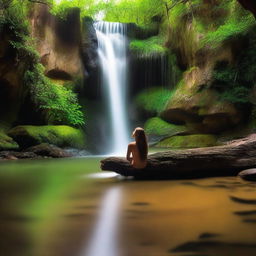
{"x":48,"y":150}
{"x":249,"y":174}
{"x":13,"y":155}
{"x":59,"y":135}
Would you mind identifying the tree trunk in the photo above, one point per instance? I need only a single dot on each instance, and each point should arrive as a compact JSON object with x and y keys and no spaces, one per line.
{"x":225,"y":160}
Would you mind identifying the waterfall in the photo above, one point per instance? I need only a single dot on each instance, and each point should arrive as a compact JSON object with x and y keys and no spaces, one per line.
{"x":112,"y":51}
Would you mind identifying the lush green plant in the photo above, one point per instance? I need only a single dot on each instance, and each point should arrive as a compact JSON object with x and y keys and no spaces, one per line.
{"x":153,"y":100}
{"x":238,"y":23}
{"x":136,"y":11}
{"x":152,"y":45}
{"x":57,"y":103}
{"x":126,"y":11}
{"x":235,"y":82}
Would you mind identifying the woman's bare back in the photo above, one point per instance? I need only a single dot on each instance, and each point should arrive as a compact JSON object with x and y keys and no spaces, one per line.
{"x":135,"y":160}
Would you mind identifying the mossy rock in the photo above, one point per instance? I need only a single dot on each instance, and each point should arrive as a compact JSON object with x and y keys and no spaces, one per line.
{"x":188,"y":141}
{"x":7,"y":143}
{"x":152,"y":101}
{"x":148,"y":47}
{"x":159,"y":127}
{"x":59,"y":135}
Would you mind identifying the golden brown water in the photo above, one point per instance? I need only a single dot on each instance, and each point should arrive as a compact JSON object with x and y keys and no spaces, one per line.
{"x":52,"y":208}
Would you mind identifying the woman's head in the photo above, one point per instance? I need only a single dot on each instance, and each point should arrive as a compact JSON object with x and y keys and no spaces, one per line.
{"x":141,"y":142}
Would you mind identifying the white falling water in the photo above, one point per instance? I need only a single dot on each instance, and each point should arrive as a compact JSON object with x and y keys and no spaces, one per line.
{"x":112,"y":48}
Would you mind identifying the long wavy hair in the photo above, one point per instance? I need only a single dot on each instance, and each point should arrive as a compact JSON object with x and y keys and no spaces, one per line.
{"x":141,"y":142}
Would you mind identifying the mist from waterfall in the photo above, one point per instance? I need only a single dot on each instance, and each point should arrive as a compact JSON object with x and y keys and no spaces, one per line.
{"x":112,"y":51}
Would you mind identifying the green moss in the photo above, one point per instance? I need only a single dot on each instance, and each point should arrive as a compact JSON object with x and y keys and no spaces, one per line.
{"x":150,"y":46}
{"x":188,"y":141}
{"x":59,"y":135}
{"x":234,"y":82}
{"x":157,"y":126}
{"x":237,"y":23}
{"x":153,"y":100}
{"x":7,"y":143}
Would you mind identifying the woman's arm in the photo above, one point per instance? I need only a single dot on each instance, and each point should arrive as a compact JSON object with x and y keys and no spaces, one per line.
{"x":128,"y":155}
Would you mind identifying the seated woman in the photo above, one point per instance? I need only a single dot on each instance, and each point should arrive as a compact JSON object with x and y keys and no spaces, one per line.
{"x":138,"y":149}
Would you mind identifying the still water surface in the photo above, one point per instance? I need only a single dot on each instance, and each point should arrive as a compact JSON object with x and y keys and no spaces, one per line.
{"x":64,"y":208}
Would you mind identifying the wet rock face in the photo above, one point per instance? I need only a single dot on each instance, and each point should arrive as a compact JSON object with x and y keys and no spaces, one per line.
{"x":200,"y":109}
{"x":89,"y":44}
{"x":11,"y":76}
{"x":58,"y":42}
{"x":89,"y":55}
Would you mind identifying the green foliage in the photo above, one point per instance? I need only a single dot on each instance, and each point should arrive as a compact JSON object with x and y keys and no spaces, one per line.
{"x":152,"y":45}
{"x":153,"y":100}
{"x":231,"y":29}
{"x":126,"y":11}
{"x":59,"y":105}
{"x":238,"y":23}
{"x":136,"y":11}
{"x":87,"y":7}
{"x":237,"y":94}
{"x":157,"y":126}
{"x":235,"y":82}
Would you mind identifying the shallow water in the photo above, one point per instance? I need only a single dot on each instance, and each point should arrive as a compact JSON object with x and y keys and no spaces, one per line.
{"x":64,"y":207}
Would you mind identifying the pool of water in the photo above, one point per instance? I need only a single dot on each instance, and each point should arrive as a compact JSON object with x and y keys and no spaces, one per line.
{"x":67,"y":207}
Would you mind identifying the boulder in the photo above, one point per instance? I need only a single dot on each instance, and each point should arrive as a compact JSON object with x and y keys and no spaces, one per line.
{"x":249,"y":174}
{"x":58,"y":42}
{"x":188,"y":141}
{"x":157,"y":129}
{"x":200,"y":108}
{"x":59,"y":135}
{"x":48,"y":150}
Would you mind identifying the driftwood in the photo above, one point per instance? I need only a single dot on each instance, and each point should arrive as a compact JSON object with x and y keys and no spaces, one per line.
{"x":226,"y":160}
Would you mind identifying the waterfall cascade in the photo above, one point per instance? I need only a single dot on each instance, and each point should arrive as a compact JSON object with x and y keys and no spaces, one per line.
{"x":112,"y":51}
{"x":151,"y":70}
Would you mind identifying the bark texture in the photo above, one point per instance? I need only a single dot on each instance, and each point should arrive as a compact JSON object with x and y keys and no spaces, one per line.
{"x":227,"y":160}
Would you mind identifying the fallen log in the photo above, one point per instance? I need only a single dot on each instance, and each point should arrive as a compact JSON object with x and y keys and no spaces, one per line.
{"x":226,"y":160}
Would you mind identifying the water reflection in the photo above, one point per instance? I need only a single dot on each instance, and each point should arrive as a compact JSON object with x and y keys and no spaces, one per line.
{"x":52,"y":208}
{"x":104,"y":241}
